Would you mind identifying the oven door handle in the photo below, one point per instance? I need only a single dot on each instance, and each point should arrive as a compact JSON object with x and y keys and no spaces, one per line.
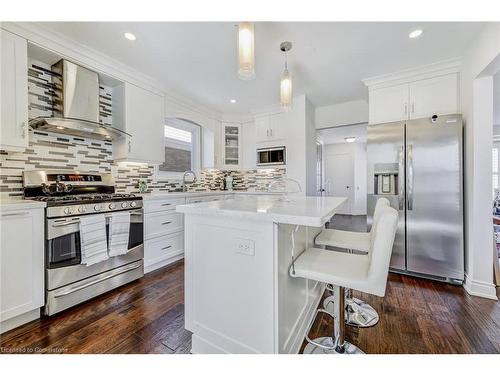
{"x":93,"y":282}
{"x":76,"y":221}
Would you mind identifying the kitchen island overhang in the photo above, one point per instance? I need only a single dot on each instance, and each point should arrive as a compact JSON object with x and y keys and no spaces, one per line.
{"x":239,"y":297}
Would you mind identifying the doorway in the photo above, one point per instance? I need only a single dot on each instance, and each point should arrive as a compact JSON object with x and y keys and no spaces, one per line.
{"x":344,"y":166}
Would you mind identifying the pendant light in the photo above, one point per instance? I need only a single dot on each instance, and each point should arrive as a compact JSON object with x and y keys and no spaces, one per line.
{"x":246,"y":51}
{"x":286,"y":80}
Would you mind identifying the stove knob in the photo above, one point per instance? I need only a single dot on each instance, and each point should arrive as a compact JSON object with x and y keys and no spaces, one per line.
{"x":97,"y":207}
{"x":112,"y":206}
{"x":133,"y":204}
{"x":68,"y":210}
{"x":124,"y":205}
{"x":82,"y":209}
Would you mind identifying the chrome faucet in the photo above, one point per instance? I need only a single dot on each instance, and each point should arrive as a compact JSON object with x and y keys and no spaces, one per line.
{"x":184,"y":187}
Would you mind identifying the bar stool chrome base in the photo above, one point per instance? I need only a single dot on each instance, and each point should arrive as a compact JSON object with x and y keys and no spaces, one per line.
{"x":347,"y":348}
{"x":359,"y":314}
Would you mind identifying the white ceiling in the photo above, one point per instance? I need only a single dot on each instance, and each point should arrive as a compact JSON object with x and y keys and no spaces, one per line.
{"x":328,"y":60}
{"x":339,"y":133}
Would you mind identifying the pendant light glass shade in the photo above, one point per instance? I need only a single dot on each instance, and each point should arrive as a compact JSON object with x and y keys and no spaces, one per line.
{"x":286,"y":90}
{"x":246,"y":51}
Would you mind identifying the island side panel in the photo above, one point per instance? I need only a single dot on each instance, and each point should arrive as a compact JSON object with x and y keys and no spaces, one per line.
{"x":298,"y":298}
{"x":229,"y":280}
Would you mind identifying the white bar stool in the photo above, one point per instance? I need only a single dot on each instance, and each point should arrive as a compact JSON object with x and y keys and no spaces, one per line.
{"x":366,"y":273}
{"x":359,"y":313}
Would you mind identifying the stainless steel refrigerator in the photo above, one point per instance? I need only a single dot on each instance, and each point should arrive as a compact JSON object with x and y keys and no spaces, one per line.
{"x":417,"y":165}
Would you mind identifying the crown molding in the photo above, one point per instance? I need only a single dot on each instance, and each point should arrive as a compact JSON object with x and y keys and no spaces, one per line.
{"x":60,"y":44}
{"x":410,"y":75}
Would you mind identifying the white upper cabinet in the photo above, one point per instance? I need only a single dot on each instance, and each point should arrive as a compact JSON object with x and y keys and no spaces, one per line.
{"x":434,"y":96}
{"x":388,"y":104}
{"x":431,"y":95}
{"x":231,"y":146}
{"x":249,"y":147}
{"x":142,"y":116}
{"x":21,"y":262}
{"x":14,"y":92}
{"x":269,"y":128}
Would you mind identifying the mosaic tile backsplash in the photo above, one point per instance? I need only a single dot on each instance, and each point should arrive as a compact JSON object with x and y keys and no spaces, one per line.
{"x":57,"y":151}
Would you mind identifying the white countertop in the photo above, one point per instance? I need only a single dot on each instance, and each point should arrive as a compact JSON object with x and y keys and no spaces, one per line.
{"x":163,"y":195}
{"x":19,"y":204}
{"x":308,"y":211}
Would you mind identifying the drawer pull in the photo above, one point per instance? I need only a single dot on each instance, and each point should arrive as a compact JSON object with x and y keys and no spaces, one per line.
{"x":166,"y":204}
{"x":166,"y":247}
{"x":166,"y":222}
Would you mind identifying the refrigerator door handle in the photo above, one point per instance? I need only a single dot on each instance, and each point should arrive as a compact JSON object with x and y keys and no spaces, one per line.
{"x":401,"y":178}
{"x":410,"y":177}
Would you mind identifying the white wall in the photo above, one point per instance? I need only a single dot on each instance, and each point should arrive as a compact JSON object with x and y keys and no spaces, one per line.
{"x":357,"y":151}
{"x":496,"y":99}
{"x":310,"y":151}
{"x":478,"y":141}
{"x":347,"y":113}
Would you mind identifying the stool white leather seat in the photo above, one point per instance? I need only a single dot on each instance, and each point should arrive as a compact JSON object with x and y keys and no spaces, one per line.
{"x":366,"y":273}
{"x":344,"y":239}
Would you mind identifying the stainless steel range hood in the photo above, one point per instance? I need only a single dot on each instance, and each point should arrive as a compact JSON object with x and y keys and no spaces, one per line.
{"x":77,"y":112}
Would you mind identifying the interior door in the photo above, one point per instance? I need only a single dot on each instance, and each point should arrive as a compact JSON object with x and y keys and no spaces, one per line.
{"x":339,"y":177}
{"x":384,"y":150}
{"x":434,"y":197}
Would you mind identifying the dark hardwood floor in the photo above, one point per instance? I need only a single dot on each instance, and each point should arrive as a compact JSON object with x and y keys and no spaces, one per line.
{"x":147,"y":316}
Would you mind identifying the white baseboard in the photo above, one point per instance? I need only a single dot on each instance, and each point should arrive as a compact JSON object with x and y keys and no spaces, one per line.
{"x":19,"y":320}
{"x":163,"y":263}
{"x":480,"y":288}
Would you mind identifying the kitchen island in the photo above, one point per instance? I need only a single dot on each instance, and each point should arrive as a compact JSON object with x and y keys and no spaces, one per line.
{"x":239,"y":297}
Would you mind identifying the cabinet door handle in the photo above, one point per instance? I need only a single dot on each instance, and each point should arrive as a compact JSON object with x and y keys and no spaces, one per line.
{"x":166,"y":204}
{"x":406,"y":108}
{"x":412,"y":107}
{"x":271,"y":130}
{"x":129,"y":146}
{"x":166,"y":247}
{"x":16,"y":214}
{"x":166,"y":222}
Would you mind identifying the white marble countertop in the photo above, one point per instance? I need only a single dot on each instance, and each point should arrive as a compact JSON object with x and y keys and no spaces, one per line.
{"x":308,"y":211}
{"x":163,"y":195}
{"x":19,"y":204}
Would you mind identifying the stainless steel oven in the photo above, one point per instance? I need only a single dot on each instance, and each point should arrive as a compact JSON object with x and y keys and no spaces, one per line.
{"x":271,"y":156}
{"x":68,"y":282}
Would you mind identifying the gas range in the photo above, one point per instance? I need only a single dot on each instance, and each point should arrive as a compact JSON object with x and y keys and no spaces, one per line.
{"x":76,"y":193}
{"x":71,"y":197}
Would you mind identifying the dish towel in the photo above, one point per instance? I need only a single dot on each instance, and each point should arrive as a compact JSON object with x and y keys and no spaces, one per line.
{"x":119,"y":227}
{"x":94,"y":246}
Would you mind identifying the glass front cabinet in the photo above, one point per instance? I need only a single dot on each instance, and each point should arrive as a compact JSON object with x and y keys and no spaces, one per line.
{"x":231,"y":146}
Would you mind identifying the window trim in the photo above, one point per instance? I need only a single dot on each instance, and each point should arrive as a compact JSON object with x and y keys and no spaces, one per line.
{"x":196,"y":151}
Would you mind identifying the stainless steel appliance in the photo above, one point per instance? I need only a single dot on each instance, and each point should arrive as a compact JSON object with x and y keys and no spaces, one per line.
{"x":76,"y":111}
{"x":69,"y":196}
{"x":271,"y":156}
{"x":417,"y":165}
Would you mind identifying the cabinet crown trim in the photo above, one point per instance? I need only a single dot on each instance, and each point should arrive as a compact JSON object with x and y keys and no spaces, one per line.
{"x":414,"y":74}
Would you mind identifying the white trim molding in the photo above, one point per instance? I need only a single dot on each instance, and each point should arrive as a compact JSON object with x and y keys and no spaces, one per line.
{"x":480,"y":288}
{"x":414,"y":74}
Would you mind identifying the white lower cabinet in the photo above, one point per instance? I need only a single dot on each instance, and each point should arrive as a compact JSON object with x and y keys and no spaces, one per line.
{"x":21,"y":266}
{"x":163,"y":233}
{"x":164,"y":229}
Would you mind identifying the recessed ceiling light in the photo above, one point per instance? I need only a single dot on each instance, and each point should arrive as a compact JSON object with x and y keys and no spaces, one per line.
{"x":415,"y":33}
{"x":233,"y":101}
{"x":130,"y":36}
{"x":350,"y":139}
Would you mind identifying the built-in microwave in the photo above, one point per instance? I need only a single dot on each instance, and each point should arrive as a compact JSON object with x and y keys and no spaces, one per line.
{"x":271,"y":156}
